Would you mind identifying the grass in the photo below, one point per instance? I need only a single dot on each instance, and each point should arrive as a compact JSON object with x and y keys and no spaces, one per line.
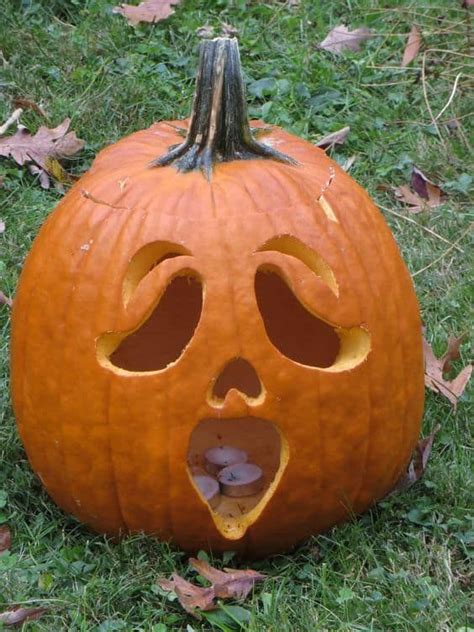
{"x":405,"y":564}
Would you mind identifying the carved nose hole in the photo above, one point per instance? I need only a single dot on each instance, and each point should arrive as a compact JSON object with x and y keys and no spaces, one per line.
{"x":238,"y":374}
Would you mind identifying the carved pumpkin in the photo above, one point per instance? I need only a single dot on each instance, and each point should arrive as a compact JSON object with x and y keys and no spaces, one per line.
{"x":236,"y":298}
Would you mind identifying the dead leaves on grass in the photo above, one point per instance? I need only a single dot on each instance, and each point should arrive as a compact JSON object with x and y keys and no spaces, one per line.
{"x":147,"y":11}
{"x":436,"y":370}
{"x":226,"y":584}
{"x":422,"y":195}
{"x":42,"y":151}
{"x":341,"y":39}
{"x":336,"y":138}
{"x":17,"y":616}
{"x":417,"y":466}
{"x":413,"y":46}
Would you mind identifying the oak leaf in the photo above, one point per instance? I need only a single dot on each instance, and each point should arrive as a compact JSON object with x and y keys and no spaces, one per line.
{"x":437,"y":368}
{"x":229,"y":583}
{"x":226,"y":584}
{"x":189,"y":595}
{"x":147,"y":11}
{"x":423,"y":193}
{"x":42,"y":151}
{"x":340,"y":39}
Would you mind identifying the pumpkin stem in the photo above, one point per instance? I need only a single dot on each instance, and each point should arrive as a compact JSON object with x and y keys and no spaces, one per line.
{"x":218,"y":129}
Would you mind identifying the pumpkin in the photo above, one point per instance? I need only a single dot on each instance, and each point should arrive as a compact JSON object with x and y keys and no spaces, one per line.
{"x":215,"y":340}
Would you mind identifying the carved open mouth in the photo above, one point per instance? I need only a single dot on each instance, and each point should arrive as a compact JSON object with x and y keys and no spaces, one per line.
{"x":235,"y":466}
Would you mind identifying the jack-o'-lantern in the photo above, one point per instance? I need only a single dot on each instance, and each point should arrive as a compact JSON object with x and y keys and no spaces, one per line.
{"x":215,"y":339}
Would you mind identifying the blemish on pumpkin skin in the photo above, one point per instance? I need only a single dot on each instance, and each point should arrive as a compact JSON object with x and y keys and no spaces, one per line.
{"x":329,"y":181}
{"x":123,"y":183}
{"x":322,"y":201}
{"x":92,"y":198}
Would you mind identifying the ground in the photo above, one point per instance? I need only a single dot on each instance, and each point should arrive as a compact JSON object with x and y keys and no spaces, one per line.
{"x":405,"y":564}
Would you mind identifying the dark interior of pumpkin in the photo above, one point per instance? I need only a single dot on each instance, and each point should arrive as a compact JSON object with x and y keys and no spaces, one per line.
{"x":233,"y":462}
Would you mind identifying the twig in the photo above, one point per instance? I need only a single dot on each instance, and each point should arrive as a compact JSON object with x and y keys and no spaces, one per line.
{"x":425,"y":94}
{"x":425,"y":228}
{"x":451,"y":97}
{"x":9,"y":122}
{"x":446,"y":252}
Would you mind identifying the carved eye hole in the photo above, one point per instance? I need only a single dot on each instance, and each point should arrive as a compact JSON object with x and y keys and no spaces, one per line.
{"x":292,"y":329}
{"x":296,"y":332}
{"x":162,"y":336}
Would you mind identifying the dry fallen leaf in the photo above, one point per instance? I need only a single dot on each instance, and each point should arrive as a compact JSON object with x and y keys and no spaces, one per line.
{"x":20,"y":102}
{"x":424,"y":187}
{"x":437,"y":368}
{"x":227,"y":584}
{"x":341,"y":38}
{"x":5,"y":300}
{"x":412,"y":47}
{"x":425,"y":193}
{"x":17,"y":616}
{"x":417,"y":466}
{"x":147,"y":11}
{"x":336,"y":138}
{"x":42,"y":150}
{"x":189,"y":595}
{"x":5,"y":538}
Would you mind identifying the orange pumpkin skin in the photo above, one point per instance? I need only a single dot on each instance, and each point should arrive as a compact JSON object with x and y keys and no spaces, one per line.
{"x":111,"y":448}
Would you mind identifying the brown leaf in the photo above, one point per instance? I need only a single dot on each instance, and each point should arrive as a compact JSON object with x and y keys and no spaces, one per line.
{"x":412,"y":47}
{"x":341,"y":38}
{"x":5,"y":300}
{"x":228,"y":583}
{"x":452,"y":353}
{"x":425,"y":193}
{"x":31,"y":105}
{"x":425,"y":188}
{"x":147,"y":11}
{"x":418,"y":463}
{"x":189,"y":595}
{"x":16,"y":616}
{"x":336,"y":138}
{"x":5,"y":538}
{"x":43,"y":149}
{"x":436,"y":368}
